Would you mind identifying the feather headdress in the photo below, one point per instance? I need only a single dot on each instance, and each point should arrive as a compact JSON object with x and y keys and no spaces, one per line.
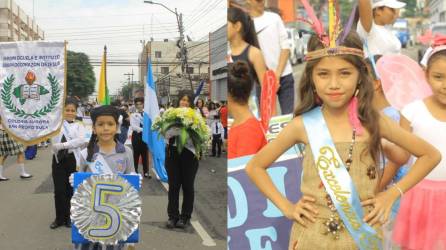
{"x":336,"y":33}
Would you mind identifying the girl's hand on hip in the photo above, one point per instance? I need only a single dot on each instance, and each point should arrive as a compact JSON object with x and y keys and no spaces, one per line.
{"x":382,"y":206}
{"x":303,"y":208}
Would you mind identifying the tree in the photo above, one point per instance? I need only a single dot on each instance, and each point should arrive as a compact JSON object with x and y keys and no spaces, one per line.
{"x":126,"y":90}
{"x":410,"y":9}
{"x":80,"y":75}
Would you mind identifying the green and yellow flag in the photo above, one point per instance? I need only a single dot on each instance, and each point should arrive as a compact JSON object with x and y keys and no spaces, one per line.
{"x":103,"y":95}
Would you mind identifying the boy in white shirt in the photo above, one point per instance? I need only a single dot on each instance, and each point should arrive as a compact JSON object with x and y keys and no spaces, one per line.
{"x":217,"y":136}
{"x":373,"y":26}
{"x":275,"y":46}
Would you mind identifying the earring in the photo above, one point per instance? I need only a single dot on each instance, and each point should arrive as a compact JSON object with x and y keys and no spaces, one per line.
{"x":317,"y":99}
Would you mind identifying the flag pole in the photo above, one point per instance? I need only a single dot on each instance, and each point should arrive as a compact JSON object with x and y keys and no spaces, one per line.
{"x":105,"y":65}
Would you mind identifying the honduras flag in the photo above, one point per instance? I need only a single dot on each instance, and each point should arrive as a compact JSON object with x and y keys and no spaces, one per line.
{"x":150,"y":137}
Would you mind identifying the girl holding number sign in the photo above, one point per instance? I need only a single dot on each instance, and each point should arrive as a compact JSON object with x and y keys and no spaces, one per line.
{"x":104,"y":147}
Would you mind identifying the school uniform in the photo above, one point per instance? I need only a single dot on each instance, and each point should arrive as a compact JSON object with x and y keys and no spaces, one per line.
{"x":64,"y":163}
{"x":138,"y":145}
{"x":8,"y":146}
{"x":120,"y":162}
{"x":181,"y":170}
{"x":217,"y":137}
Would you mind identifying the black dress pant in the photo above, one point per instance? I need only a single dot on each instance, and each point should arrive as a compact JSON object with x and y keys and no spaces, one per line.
{"x":62,"y":189}
{"x":181,"y":170}
{"x":139,"y":149}
{"x":216,"y":145}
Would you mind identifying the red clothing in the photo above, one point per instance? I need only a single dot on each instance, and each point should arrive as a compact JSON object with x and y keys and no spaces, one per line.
{"x":224,"y":116}
{"x":246,"y":139}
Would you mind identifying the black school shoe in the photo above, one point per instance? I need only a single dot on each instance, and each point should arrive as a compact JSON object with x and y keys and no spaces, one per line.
{"x":56,"y":224}
{"x":183,"y":223}
{"x":4,"y":179}
{"x":67,"y":224}
{"x":171,"y":223}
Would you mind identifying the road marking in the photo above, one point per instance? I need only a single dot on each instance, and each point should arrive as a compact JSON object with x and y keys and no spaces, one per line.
{"x":165,"y":185}
{"x":207,"y":240}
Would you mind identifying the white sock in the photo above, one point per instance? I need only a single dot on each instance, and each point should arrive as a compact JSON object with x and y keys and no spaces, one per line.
{"x":1,"y":171}
{"x":22,"y":169}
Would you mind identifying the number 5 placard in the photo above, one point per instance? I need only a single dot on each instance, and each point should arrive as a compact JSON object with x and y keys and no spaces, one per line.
{"x":105,"y":208}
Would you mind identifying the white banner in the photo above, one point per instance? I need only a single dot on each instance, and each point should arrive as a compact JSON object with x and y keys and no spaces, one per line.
{"x":32,"y":87}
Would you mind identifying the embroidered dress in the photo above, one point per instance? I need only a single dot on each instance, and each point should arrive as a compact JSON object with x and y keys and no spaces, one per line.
{"x":314,"y":236}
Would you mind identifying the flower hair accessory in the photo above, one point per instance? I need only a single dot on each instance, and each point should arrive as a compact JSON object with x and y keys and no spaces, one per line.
{"x":336,"y":35}
{"x":438,"y":45}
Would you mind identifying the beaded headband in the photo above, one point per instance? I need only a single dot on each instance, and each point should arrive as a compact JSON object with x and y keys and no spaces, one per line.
{"x":339,"y":50}
{"x":336,"y":34}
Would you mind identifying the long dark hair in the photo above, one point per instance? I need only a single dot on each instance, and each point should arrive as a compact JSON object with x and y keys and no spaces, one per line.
{"x":202,"y":106}
{"x":105,"y":110}
{"x":367,"y":115}
{"x":190,"y":96}
{"x":249,"y":34}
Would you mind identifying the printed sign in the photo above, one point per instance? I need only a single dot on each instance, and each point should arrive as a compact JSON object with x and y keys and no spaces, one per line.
{"x":32,"y":86}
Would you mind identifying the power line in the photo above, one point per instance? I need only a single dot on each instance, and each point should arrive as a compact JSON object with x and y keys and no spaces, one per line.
{"x":204,"y":13}
{"x":103,"y":27}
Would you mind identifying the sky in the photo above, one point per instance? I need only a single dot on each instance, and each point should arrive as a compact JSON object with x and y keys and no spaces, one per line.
{"x":88,"y":25}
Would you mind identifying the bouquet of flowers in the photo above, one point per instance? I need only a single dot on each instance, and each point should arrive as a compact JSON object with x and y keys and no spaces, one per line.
{"x":187,"y":124}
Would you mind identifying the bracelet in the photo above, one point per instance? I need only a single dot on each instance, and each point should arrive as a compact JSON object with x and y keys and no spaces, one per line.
{"x":399,"y":190}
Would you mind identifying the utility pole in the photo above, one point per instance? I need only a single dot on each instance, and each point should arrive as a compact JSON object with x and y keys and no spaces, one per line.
{"x":128,"y":81}
{"x":168,"y":92}
{"x":182,"y":44}
{"x":183,"y":49}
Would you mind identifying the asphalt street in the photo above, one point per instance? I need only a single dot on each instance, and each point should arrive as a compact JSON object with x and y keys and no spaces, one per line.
{"x":27,"y":209}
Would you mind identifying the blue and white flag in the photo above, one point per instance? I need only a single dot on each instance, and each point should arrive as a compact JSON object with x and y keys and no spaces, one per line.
{"x":150,"y":137}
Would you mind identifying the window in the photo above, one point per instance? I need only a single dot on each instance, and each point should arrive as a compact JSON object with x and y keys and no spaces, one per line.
{"x":157,"y":54}
{"x":190,"y":70}
{"x":165,"y":70}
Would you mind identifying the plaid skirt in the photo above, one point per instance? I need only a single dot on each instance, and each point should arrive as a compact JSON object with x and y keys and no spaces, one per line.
{"x":8,"y":146}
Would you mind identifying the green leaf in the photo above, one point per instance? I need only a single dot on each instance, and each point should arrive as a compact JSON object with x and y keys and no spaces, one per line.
{"x":17,"y":91}
{"x":43,"y":91}
{"x":182,"y":139}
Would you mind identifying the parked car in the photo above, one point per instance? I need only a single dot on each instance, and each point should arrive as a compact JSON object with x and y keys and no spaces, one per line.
{"x":305,"y":38}
{"x":297,"y":46}
{"x":401,"y":30}
{"x":437,"y":28}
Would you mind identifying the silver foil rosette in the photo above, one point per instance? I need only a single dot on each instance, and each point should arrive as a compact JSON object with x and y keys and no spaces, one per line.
{"x":106,"y":209}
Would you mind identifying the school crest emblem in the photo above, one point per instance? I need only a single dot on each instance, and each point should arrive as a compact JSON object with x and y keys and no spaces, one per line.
{"x":29,"y":91}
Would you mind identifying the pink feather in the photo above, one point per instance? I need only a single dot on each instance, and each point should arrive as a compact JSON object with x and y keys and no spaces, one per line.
{"x":317,"y":24}
{"x":353,"y":115}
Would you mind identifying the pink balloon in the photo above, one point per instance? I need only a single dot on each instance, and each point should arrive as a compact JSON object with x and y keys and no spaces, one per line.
{"x":402,"y":79}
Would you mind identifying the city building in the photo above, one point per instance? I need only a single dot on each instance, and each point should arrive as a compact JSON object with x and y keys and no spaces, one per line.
{"x":167,"y":69}
{"x":437,"y":10}
{"x":218,"y":44}
{"x":16,"y":25}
